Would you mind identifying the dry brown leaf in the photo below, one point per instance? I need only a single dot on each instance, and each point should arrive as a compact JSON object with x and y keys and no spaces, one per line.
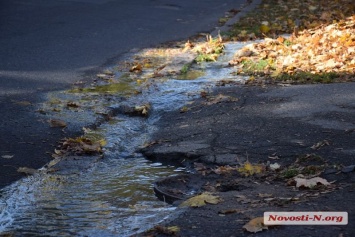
{"x":264,"y":195}
{"x":310,"y":183}
{"x":57,"y":123}
{"x":201,"y":200}
{"x":231,"y":211}
{"x":81,"y":145}
{"x":255,"y":225}
{"x":136,"y":68}
{"x":72,"y":104}
{"x":26,"y":170}
{"x":224,"y":169}
{"x":220,"y":98}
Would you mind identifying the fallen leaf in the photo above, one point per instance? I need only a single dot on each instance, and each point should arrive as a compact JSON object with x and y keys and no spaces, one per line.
{"x":136,"y":68}
{"x":255,"y":225}
{"x":26,"y":170}
{"x":7,"y":156}
{"x":23,"y":103}
{"x":274,"y":157}
{"x":230,"y":211}
{"x":250,"y":169}
{"x":102,"y":76}
{"x":201,"y":200}
{"x":263,"y":195}
{"x":161,"y":230}
{"x":310,"y":183}
{"x":174,"y":229}
{"x":274,"y":166}
{"x":220,"y":98}
{"x":57,"y":123}
{"x":226,"y":169}
{"x":72,"y":104}
{"x":143,"y":109}
{"x":53,"y":162}
{"x":80,"y":145}
{"x":320,"y":144}
{"x":264,"y":28}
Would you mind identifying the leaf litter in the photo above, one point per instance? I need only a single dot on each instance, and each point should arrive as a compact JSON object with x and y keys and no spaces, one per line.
{"x":321,"y":48}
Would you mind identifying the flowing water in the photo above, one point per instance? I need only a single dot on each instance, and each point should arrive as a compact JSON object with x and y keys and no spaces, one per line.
{"x":115,"y":196}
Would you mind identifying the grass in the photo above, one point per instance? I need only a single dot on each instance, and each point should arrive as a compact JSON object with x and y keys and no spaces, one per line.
{"x":262,"y":66}
{"x":289,"y":173}
{"x":307,"y":77}
{"x":185,"y":69}
{"x":251,"y":67}
{"x":210,"y":50}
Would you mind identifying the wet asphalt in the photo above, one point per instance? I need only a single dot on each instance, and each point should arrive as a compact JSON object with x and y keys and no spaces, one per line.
{"x":271,"y":124}
{"x":48,"y":45}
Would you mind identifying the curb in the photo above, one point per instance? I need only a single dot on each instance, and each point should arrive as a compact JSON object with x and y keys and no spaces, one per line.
{"x":236,"y":18}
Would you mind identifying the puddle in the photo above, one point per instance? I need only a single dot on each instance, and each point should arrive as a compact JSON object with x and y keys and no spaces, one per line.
{"x":115,"y":197}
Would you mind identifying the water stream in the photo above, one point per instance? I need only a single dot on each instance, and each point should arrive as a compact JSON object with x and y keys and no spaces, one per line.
{"x":115,"y":196}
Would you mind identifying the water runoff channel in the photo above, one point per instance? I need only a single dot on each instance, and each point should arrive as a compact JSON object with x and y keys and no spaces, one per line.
{"x":115,"y":196}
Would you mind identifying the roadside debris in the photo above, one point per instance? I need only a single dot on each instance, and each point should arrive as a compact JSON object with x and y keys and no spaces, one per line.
{"x":255,"y":225}
{"x":201,"y":200}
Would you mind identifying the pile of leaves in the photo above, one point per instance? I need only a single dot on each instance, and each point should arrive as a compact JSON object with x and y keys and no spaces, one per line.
{"x":208,"y":51}
{"x":79,"y":146}
{"x":320,"y":49}
{"x":276,"y":17}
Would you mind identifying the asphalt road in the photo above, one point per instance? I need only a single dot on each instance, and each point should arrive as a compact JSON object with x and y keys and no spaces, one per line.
{"x":47,"y":45}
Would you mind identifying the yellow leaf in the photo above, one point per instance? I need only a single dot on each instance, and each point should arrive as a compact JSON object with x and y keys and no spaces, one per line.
{"x":53,"y":162}
{"x":264,"y":29}
{"x":174,"y":229}
{"x":250,"y":169}
{"x":255,"y":225}
{"x":201,"y":200}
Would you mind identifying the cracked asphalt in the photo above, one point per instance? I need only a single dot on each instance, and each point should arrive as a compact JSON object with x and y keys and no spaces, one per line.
{"x":266,"y":124}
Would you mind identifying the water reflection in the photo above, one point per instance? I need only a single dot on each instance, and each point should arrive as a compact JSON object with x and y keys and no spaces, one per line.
{"x":115,"y":197}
